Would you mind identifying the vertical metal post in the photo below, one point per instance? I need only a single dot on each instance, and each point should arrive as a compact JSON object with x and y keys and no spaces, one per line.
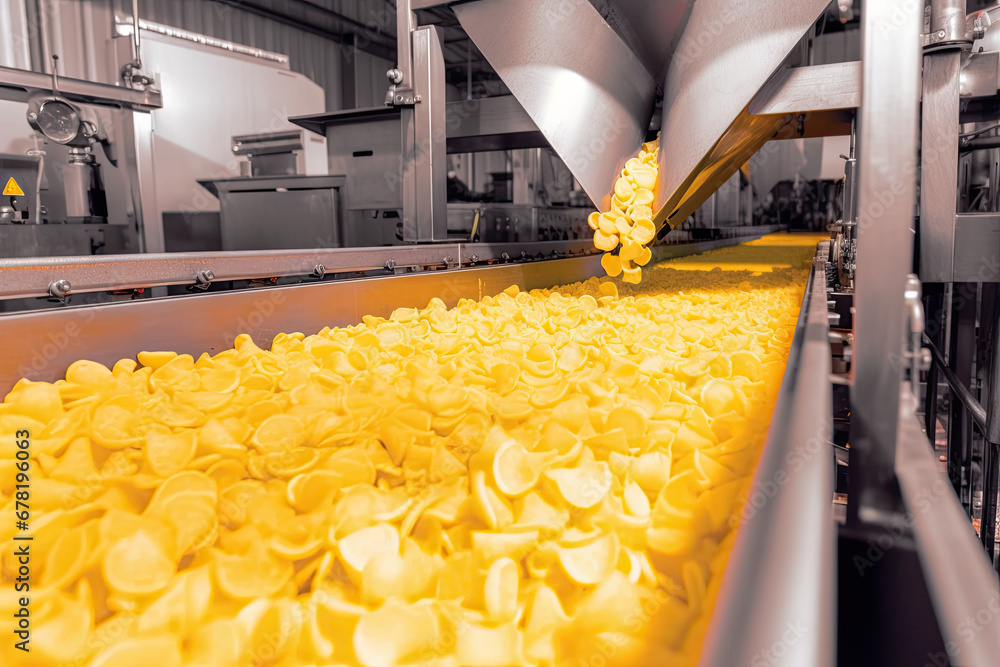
{"x":993,"y":401}
{"x":468,"y":69}
{"x":960,"y":359}
{"x":991,"y":482}
{"x":939,"y":164}
{"x":887,"y":152}
{"x":406,"y":23}
{"x":425,"y":159}
{"x":348,"y":73}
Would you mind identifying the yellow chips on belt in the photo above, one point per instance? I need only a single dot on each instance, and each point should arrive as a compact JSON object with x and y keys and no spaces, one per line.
{"x":523,"y":479}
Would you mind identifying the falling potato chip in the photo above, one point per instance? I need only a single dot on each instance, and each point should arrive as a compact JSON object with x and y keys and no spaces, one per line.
{"x":631,"y":274}
{"x":604,"y":241}
{"x":611,"y":264}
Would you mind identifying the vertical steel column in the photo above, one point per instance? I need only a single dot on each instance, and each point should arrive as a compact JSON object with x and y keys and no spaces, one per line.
{"x":991,"y":481}
{"x":425,"y":159}
{"x":939,"y":164}
{"x":887,"y":152}
{"x":406,"y":23}
{"x":960,"y":358}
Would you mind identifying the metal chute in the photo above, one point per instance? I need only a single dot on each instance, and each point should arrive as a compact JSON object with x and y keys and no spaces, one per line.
{"x":586,"y":73}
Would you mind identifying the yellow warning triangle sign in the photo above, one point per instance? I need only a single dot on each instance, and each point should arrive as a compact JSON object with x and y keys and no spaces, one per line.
{"x":12,"y":188}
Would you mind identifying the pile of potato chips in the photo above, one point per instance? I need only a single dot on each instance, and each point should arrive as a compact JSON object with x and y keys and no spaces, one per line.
{"x":628,"y":221}
{"x":550,"y":477}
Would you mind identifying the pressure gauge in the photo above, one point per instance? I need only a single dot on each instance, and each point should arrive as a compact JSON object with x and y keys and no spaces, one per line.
{"x":58,"y":121}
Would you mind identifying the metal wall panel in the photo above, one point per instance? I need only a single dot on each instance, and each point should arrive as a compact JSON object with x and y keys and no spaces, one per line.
{"x":316,"y":57}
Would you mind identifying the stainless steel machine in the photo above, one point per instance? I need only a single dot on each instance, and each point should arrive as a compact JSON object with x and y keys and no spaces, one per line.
{"x":902,"y":302}
{"x":79,"y":186}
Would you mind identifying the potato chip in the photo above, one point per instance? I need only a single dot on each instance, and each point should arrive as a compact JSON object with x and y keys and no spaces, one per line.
{"x":137,"y":650}
{"x":137,"y":565}
{"x":356,"y":549}
{"x":395,"y":632}
{"x":583,"y":486}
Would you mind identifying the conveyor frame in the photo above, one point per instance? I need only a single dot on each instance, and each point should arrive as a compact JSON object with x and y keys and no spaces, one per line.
{"x":796,"y":581}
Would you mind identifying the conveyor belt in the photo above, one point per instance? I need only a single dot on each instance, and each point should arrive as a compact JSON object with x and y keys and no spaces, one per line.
{"x":602,"y":435}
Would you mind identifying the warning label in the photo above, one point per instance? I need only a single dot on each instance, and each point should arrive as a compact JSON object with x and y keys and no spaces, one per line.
{"x":12,"y":188}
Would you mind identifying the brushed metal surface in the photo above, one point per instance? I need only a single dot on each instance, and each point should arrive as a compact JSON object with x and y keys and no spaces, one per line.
{"x":491,"y":123}
{"x":28,"y":277}
{"x":19,"y":85}
{"x":960,"y":579}
{"x":888,"y":125}
{"x":424,"y":168}
{"x":580,"y":83}
{"x":726,"y":54}
{"x":781,"y":569}
{"x":939,"y":164}
{"x":652,"y":28}
{"x":807,"y":89}
{"x":977,"y":248}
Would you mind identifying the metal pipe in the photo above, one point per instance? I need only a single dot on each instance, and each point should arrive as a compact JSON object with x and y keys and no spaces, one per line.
{"x":961,"y":391}
{"x":992,"y":430}
{"x":406,"y":22}
{"x":991,"y":480}
{"x":369,"y":45}
{"x":978,"y":143}
{"x":960,"y":581}
{"x":948,"y":21}
{"x":135,"y":33}
{"x":931,"y":403}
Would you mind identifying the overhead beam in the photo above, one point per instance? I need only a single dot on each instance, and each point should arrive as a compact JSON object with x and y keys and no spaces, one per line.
{"x":368,"y":45}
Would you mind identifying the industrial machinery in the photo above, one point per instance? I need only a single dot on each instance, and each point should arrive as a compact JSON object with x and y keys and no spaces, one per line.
{"x":67,"y":205}
{"x":908,"y":307}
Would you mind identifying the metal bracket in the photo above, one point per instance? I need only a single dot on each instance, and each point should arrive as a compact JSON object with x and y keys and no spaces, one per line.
{"x":203,"y":280}
{"x":60,"y":289}
{"x":919,"y":357}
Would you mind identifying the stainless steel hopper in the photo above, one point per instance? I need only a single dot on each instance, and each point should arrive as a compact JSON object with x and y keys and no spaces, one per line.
{"x":587,"y":74}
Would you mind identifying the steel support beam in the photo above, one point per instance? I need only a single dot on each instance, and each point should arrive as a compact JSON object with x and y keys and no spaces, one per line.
{"x":887,"y":152}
